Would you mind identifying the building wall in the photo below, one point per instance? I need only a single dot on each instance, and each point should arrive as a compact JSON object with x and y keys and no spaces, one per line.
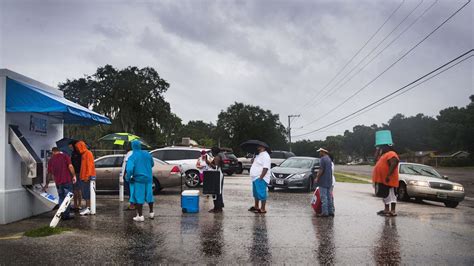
{"x":16,"y":202}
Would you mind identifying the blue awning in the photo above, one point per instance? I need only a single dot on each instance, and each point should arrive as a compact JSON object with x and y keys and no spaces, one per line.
{"x":22,"y":97}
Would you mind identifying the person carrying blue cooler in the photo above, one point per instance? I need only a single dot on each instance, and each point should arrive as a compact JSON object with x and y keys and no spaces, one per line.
{"x":139,"y":175}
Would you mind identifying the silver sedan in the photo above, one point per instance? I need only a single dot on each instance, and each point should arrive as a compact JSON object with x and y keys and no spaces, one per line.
{"x":423,"y":182}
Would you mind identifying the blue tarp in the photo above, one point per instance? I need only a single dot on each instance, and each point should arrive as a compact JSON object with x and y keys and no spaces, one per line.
{"x":22,"y":97}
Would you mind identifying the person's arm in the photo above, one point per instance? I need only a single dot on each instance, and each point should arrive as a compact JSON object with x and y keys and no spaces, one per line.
{"x":198,"y":164}
{"x":73,"y":173}
{"x":129,"y":170}
{"x":266,"y":166}
{"x":216,"y":162}
{"x":392,"y":165}
{"x":320,"y":170}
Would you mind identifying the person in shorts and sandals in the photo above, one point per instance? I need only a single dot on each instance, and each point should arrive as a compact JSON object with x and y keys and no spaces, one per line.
{"x":76,"y":163}
{"x":140,"y":176}
{"x":385,"y":173}
{"x":61,"y":169}
{"x":260,"y":174}
{"x":87,"y":174}
{"x":201,"y":165}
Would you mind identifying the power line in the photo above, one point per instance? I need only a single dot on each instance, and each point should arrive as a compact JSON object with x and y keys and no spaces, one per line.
{"x":371,"y":51}
{"x":399,"y":94}
{"x":356,"y":54}
{"x":379,"y":53}
{"x":393,"y":64}
{"x":398,"y":90}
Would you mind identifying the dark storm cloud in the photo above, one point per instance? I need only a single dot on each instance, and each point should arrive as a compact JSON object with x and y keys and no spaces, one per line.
{"x":276,"y":54}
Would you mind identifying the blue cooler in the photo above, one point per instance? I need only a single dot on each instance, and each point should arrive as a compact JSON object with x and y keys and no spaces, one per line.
{"x":190,"y":201}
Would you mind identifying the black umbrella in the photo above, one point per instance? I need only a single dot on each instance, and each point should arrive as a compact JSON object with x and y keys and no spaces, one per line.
{"x":250,"y":146}
{"x":63,"y":142}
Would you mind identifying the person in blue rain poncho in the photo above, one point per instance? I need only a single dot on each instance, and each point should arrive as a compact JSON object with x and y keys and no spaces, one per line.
{"x":139,"y":175}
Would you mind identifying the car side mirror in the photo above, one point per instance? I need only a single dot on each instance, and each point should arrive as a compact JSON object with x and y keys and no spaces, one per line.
{"x":445,"y":177}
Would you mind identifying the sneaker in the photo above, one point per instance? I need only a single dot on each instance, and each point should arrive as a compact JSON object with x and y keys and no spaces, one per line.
{"x":152,"y":215}
{"x":86,"y":211}
{"x":139,"y":218}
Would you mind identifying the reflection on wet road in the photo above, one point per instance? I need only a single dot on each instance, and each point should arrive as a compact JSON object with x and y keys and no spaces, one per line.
{"x":425,"y":233}
{"x":260,"y":249}
{"x":326,"y":251}
{"x":387,"y":248}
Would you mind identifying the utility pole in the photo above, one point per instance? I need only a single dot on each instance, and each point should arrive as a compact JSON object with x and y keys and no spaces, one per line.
{"x":289,"y":128}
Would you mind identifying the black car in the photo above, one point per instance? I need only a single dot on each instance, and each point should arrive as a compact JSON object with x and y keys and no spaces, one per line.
{"x":295,"y":172}
{"x":230,"y":164}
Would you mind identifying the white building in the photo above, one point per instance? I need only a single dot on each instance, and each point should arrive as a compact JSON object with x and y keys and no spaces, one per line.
{"x":37,"y":113}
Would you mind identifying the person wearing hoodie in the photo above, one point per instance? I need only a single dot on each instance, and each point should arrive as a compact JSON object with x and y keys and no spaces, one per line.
{"x":76,"y":163}
{"x":87,"y":174}
{"x":139,"y":175}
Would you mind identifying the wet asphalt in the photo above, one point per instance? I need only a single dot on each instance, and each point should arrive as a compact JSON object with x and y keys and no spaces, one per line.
{"x":423,"y":233}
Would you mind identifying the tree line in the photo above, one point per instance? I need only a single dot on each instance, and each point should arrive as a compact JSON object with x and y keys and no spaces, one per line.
{"x":133,"y":98}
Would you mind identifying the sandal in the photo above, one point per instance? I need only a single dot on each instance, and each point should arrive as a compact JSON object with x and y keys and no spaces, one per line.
{"x":383,"y":213}
{"x":392,"y":214}
{"x":252,"y":209}
{"x":260,"y":211}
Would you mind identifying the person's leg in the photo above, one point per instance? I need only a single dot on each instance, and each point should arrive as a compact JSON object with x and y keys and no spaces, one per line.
{"x":66,"y":189}
{"x":86,"y":189}
{"x":262,"y":193}
{"x":393,"y":202}
{"x":264,"y":204}
{"x":150,"y":205}
{"x":139,"y":208}
{"x":61,"y":196}
{"x":324,"y":201}
{"x":389,"y":200}
{"x":331,"y":202}
{"x":255,"y":195}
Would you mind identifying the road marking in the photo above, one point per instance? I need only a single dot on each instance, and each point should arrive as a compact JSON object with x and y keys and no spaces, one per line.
{"x":12,"y":237}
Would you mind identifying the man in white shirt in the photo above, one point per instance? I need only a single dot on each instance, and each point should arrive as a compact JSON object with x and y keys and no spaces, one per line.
{"x":260,"y":174}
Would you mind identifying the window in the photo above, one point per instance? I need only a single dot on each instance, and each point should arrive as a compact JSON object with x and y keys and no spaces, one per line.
{"x":159,"y":154}
{"x":159,"y":162}
{"x":105,"y":162}
{"x":289,"y":154}
{"x":119,"y":161}
{"x":193,"y":154}
{"x":174,"y":155}
{"x":277,"y":155}
{"x":316,"y":163}
{"x":297,"y":163}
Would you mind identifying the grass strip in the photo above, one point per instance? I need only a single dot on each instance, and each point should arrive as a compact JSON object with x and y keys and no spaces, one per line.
{"x":347,"y":179}
{"x":46,"y":231}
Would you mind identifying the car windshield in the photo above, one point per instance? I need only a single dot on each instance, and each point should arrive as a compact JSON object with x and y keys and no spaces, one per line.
{"x":297,"y":163}
{"x":424,"y":170}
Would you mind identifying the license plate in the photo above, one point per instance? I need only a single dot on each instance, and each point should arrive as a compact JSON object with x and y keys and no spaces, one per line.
{"x":280,"y":182}
{"x":442,"y":195}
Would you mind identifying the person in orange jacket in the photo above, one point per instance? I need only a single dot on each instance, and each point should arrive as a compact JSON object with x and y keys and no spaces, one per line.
{"x":87,"y":174}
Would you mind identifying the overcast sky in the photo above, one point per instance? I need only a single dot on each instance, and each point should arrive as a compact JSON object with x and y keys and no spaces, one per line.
{"x":275,"y":54}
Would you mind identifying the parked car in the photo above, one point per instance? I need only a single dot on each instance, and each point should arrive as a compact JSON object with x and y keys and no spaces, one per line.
{"x":244,"y":163}
{"x":230,"y":163}
{"x":108,"y":171}
{"x":423,"y":182}
{"x":295,"y":172}
{"x":279,"y":156}
{"x":186,"y":157}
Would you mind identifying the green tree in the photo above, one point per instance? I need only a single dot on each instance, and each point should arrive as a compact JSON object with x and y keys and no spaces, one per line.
{"x":242,"y":122}
{"x":131,"y":97}
{"x":200,"y":131}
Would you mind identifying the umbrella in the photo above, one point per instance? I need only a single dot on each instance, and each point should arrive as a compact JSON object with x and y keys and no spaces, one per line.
{"x":122,"y":138}
{"x":64,"y":142}
{"x":250,"y":146}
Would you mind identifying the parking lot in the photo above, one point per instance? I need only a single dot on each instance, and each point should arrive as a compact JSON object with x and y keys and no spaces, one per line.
{"x":423,"y":233}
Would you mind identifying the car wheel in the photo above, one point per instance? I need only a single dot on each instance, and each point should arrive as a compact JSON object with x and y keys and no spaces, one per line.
{"x":402,"y":192}
{"x":192,"y":179}
{"x":240,"y":170}
{"x":309,"y":187}
{"x":271,"y":189}
{"x":156,"y":187}
{"x":451,"y":204}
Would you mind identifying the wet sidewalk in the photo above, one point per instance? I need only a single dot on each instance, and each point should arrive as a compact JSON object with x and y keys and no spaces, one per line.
{"x":289,"y":233}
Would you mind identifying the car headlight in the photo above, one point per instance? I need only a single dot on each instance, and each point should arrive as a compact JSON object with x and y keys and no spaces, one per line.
{"x":298,"y":176}
{"x":419,"y":183}
{"x":458,"y":188}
